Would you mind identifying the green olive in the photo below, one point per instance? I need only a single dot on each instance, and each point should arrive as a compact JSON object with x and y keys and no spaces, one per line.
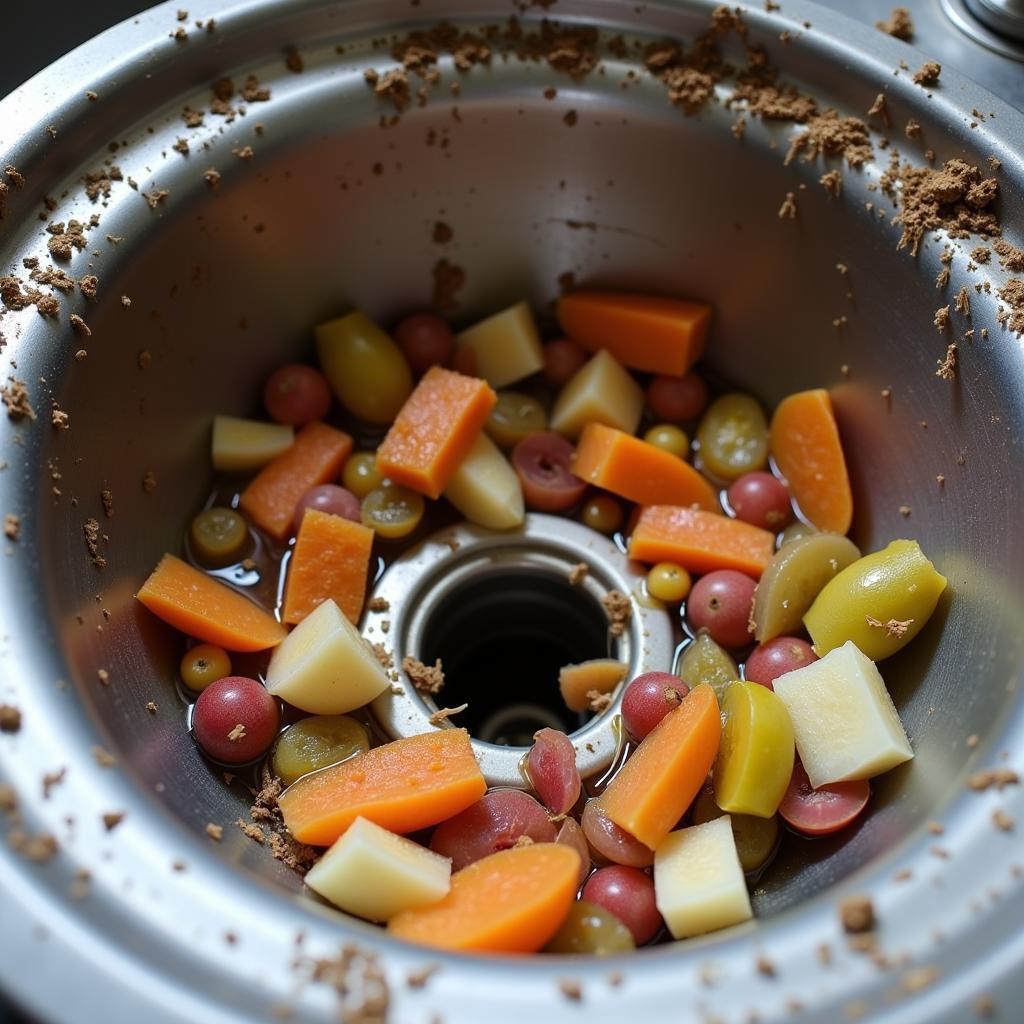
{"x":315,"y":743}
{"x":602,"y":513}
{"x":669,"y":438}
{"x":204,"y":664}
{"x":219,"y":536}
{"x":366,"y":369}
{"x":756,"y":838}
{"x":591,"y":929}
{"x":880,"y":602}
{"x":795,"y":531}
{"x":392,"y":512}
{"x":704,"y":661}
{"x":514,"y":417}
{"x":361,"y":474}
{"x":668,"y":582}
{"x":793,"y":578}
{"x":733,"y":437}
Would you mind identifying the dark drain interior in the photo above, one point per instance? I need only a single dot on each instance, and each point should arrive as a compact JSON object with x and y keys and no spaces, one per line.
{"x":502,"y":637}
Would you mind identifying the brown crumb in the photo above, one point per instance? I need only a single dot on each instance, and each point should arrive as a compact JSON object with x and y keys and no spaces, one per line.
{"x":985,"y":1006}
{"x":1012,"y":293}
{"x":442,"y":233}
{"x":894,"y":627}
{"x":832,"y":182}
{"x":126,"y":303}
{"x":570,"y":118}
{"x":999,"y":778}
{"x":942,"y":278}
{"x":448,"y":281}
{"x":52,"y":780}
{"x":14,"y":396}
{"x":149,"y":481}
{"x":155,"y":197}
{"x":91,"y":531}
{"x":903,"y":875}
{"x":571,"y":989}
{"x":237,"y":733}
{"x":244,"y":153}
{"x":857,"y":914}
{"x":935,"y":828}
{"x":941,"y":319}
{"x":947,"y":366}
{"x":253,"y":832}
{"x":293,"y":61}
{"x":962,"y":304}
{"x":383,"y":656}
{"x":899,"y":24}
{"x":212,"y":177}
{"x":215,"y":832}
{"x":879,"y":107}
{"x":10,"y":718}
{"x":297,"y":856}
{"x":79,"y":325}
{"x":152,"y":707}
{"x":112,"y":819}
{"x":443,"y":714}
{"x":578,"y":573}
{"x":63,"y":242}
{"x":919,"y":978}
{"x":787,"y":211}
{"x":1002,"y":821}
{"x":619,"y":610}
{"x":107,"y":500}
{"x":38,"y":849}
{"x":426,"y":679}
{"x":598,"y":701}
{"x":59,"y":418}
{"x":905,"y":510}
{"x":379,"y":604}
{"x":765,"y":967}
{"x":103,"y":757}
{"x":419,"y":978}
{"x":103,"y":676}
{"x":12,"y":526}
{"x":928,"y":73}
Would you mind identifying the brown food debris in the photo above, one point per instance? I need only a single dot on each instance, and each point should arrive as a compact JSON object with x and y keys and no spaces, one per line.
{"x":1010,"y":257}
{"x":10,"y":718}
{"x":857,"y":914}
{"x":963,"y":302}
{"x":152,"y":707}
{"x":237,"y":733}
{"x":79,"y":325}
{"x":215,"y":832}
{"x":442,"y":233}
{"x":571,"y":989}
{"x":63,"y":242}
{"x":942,"y":278}
{"x":91,"y":531}
{"x":999,"y":778}
{"x":448,"y":281}
{"x":52,"y":780}
{"x":112,"y":819}
{"x":88,"y":285}
{"x":265,"y":811}
{"x":442,"y":714}
{"x":947,"y":365}
{"x":598,"y":701}
{"x":919,"y":978}
{"x":1012,"y":293}
{"x":788,"y":208}
{"x":107,"y":500}
{"x":244,"y":153}
{"x":928,"y":73}
{"x":912,"y":129}
{"x":894,"y":627}
{"x":879,"y":108}
{"x":149,"y":481}
{"x":619,"y":610}
{"x":103,"y":757}
{"x":253,"y":832}
{"x":829,"y":134}
{"x":253,"y":92}
{"x":103,"y":676}
{"x":12,"y":526}
{"x":14,"y":396}
{"x":427,"y":679}
{"x":379,"y":604}
{"x":38,"y":848}
{"x":981,"y":254}
{"x":765,"y":967}
{"x":832,"y":182}
{"x":899,"y":24}
{"x":985,"y":1006}
{"x":419,"y":978}
{"x":383,"y":656}
{"x":293,"y":61}
{"x":1002,"y":821}
{"x":212,"y":177}
{"x":578,"y":573}
{"x":941,"y":319}
{"x":155,"y":197}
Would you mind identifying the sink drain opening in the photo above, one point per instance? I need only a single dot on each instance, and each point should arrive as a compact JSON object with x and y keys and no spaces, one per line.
{"x":502,"y":637}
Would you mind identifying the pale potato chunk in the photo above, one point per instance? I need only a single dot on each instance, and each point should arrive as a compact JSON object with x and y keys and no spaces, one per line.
{"x":506,"y":346}
{"x":698,"y":881}
{"x":602,"y":392}
{"x":486,"y":489}
{"x":376,"y":874}
{"x":845,"y":722}
{"x":247,"y":444}
{"x":324,"y":666}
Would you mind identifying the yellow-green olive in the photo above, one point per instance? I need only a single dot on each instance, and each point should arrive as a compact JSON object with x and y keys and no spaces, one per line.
{"x":733,"y":436}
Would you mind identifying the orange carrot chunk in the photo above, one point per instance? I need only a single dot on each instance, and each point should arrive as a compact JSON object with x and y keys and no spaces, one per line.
{"x":659,"y":781}
{"x":402,"y":786}
{"x":330,"y":560}
{"x":638,"y":471}
{"x":434,"y":430}
{"x":206,"y":609}
{"x":700,"y":541}
{"x":509,"y":902}
{"x":642,"y":331}
{"x":805,"y":443}
{"x":316,"y":457}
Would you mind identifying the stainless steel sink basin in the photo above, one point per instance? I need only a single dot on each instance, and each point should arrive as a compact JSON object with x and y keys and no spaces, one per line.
{"x":201,"y":291}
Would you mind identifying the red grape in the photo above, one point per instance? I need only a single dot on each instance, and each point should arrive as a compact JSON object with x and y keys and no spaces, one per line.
{"x":426,"y":340}
{"x":542,"y":463}
{"x":297,"y":395}
{"x":329,"y":498}
{"x":817,"y":812}
{"x":464,"y":360}
{"x":628,"y":893}
{"x":493,"y":823}
{"x":570,"y":834}
{"x":676,"y":399}
{"x":762,"y":500}
{"x":645,"y":702}
{"x":611,"y":842}
{"x":777,"y":657}
{"x":553,"y":772}
{"x":720,"y":602}
{"x":562,"y":358}
{"x":235,"y":720}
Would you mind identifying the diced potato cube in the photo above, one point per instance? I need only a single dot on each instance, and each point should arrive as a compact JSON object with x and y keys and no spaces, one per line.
{"x":698,"y":881}
{"x":600,"y":392}
{"x":324,"y":666}
{"x":239,"y":445}
{"x":506,"y":346}
{"x":845,"y":722}
{"x":486,"y":489}
{"x":375,"y":874}
{"x":577,"y":682}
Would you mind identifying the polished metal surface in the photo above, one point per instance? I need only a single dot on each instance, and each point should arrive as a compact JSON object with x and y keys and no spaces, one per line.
{"x":416,"y":585}
{"x":224,"y":284}
{"x":999,"y":38}
{"x":1003,"y":16}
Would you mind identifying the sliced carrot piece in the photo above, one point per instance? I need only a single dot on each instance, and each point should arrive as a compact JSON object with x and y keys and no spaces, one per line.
{"x":578,"y":682}
{"x":700,"y":541}
{"x":330,"y":560}
{"x":639,"y":471}
{"x":807,"y":450}
{"x":206,"y":609}
{"x":645,"y":332}
{"x":435,"y":430}
{"x":316,"y":457}
{"x":402,"y":786}
{"x":659,"y":781}
{"x":509,"y":902}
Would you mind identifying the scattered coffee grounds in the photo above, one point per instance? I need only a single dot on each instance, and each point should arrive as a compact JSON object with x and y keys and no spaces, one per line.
{"x":253,"y":92}
{"x":578,"y":573}
{"x":62,"y":243}
{"x":619,"y":610}
{"x":857,"y":914}
{"x":941,"y":320}
{"x":571,"y":989}
{"x":59,"y":418}
{"x":947,"y":366}
{"x":1010,"y":257}
{"x":442,"y":233}
{"x":215,"y":832}
{"x":359,"y":982}
{"x":16,"y":178}
{"x":192,"y":118}
{"x":267,"y":815}
{"x":393,"y":85}
{"x":243,"y":153}
{"x":448,"y":282}
{"x":38,"y":849}
{"x":10,"y":718}
{"x":912,"y":129}
{"x":91,"y":532}
{"x":899,"y":24}
{"x":12,"y":526}
{"x":832,"y":182}
{"x":293,"y":61}
{"x":1002,"y":821}
{"x":379,"y":604}
{"x":879,"y":108}
{"x":181,"y":146}
{"x":829,"y":134}
{"x":14,"y":395}
{"x":88,"y":285}
{"x":149,"y":482}
{"x":111,"y":819}
{"x":212,"y":177}
{"x":787,"y":211}
{"x":962,"y":304}
{"x":79,"y":325}
{"x":1012,"y":293}
{"x":427,"y":679}
{"x":999,"y":778}
{"x":156,"y":197}
{"x":598,"y":702}
{"x":928,"y":73}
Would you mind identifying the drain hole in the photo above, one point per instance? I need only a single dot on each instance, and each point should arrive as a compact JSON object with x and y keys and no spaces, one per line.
{"x":502,"y":637}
